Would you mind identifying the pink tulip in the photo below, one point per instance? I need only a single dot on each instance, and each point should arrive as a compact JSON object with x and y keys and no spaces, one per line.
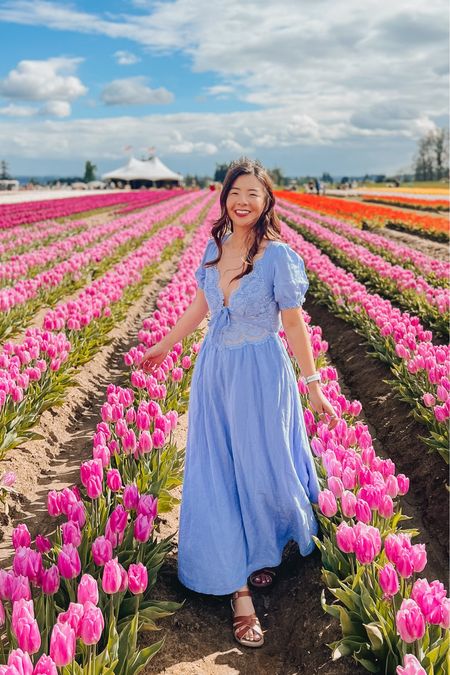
{"x":77,"y":513}
{"x":410,"y":621}
{"x":119,"y":519}
{"x":404,"y":563}
{"x":43,"y":544}
{"x":72,"y":616}
{"x":411,"y":666}
{"x":403,"y":484}
{"x":388,"y":580}
{"x":28,"y":635}
{"x":428,"y":400}
{"x":8,"y":479}
{"x":158,"y":438}
{"x":50,"y":580}
{"x":345,"y":538}
{"x":367,"y":543}
{"x":71,"y":533}
{"x":54,"y":503}
{"x":391,"y":486}
{"x":87,"y":590}
{"x":148,"y":506}
{"x":102,"y":551}
{"x":21,"y":536}
{"x":69,"y":563}
{"x":114,"y":480}
{"x":92,"y":624}
{"x":419,"y":557}
{"x":93,"y":467}
{"x":130,"y":497}
{"x":94,"y":487}
{"x":327,"y":503}
{"x":445,"y":620}
{"x":62,"y":644}
{"x":145,"y":443}
{"x":112,"y":577}
{"x":123,"y":579}
{"x":363,"y":511}
{"x":143,"y":526}
{"x":20,"y":588}
{"x":335,"y":485}
{"x":2,"y":614}
{"x":45,"y":666}
{"x":348,"y":504}
{"x":137,"y":578}
{"x":19,"y":663}
{"x":386,"y":507}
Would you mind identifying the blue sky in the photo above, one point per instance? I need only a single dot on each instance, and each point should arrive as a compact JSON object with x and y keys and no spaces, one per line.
{"x":344,"y":87}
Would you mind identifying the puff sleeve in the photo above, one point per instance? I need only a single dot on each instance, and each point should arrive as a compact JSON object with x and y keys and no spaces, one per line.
{"x":200,"y":272}
{"x":290,"y":282}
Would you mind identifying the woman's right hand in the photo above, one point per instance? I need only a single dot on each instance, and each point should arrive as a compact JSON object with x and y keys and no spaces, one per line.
{"x":154,"y":356}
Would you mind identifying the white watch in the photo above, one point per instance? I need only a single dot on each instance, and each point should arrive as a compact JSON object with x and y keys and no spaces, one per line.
{"x":312,"y":378}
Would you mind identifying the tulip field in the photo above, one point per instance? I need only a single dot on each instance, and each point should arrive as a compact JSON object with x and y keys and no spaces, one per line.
{"x":92,"y":447}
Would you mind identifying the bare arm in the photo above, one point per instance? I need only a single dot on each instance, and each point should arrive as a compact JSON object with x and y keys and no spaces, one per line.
{"x":188,"y":321}
{"x":186,"y":324}
{"x":297,"y":335}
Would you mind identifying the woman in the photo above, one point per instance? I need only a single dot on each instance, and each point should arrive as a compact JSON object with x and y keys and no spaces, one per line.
{"x":249,"y":477}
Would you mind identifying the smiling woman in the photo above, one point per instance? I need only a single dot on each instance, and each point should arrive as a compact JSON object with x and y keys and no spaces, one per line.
{"x":249,"y":480}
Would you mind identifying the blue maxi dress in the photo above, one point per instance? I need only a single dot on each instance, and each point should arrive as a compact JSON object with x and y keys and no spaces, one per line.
{"x":249,"y":476}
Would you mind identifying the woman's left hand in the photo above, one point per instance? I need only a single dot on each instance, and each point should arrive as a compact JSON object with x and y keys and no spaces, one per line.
{"x":321,"y":405}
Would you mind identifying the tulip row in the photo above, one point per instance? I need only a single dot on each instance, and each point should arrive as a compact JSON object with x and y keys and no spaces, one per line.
{"x":421,"y":369}
{"x":375,"y":216}
{"x":369,"y":565}
{"x":21,"y":239}
{"x":32,"y":212}
{"x":408,"y":202}
{"x":107,"y":536}
{"x":19,"y":303}
{"x":36,"y":372}
{"x":437,"y":272}
{"x":147,"y":199}
{"x":401,"y":285}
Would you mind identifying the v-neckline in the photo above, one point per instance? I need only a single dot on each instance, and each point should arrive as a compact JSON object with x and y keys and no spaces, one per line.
{"x":219,"y":276}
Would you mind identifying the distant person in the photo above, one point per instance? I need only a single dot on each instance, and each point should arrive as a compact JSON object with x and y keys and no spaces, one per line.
{"x":317,"y":186}
{"x":250,"y":478}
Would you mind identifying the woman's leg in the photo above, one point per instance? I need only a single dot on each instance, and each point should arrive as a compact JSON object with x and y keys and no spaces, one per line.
{"x":243,"y":606}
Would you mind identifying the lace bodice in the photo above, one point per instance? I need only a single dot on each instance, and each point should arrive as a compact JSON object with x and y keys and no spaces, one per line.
{"x":277,"y":281}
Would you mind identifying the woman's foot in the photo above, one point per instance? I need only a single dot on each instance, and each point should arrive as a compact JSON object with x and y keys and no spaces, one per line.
{"x":244,"y":617}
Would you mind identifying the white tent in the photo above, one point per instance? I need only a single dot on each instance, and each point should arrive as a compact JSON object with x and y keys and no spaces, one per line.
{"x":150,"y":170}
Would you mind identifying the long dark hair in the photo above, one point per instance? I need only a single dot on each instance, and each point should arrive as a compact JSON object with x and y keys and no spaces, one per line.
{"x":267,"y":225}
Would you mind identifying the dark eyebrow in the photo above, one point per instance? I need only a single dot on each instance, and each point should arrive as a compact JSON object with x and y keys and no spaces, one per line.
{"x":250,"y":189}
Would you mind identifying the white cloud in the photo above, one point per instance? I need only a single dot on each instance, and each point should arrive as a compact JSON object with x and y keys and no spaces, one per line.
{"x":13,"y":110}
{"x":220,"y":90}
{"x":134,"y":91}
{"x":56,"y":109}
{"x":125,"y":58}
{"x":49,"y":80}
{"x":322,"y":75}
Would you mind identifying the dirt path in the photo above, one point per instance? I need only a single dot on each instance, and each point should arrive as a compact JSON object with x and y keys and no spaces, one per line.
{"x":432,"y":248}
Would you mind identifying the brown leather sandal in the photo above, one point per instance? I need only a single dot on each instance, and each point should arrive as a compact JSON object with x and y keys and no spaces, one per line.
{"x":243,"y":623}
{"x":268,"y":571}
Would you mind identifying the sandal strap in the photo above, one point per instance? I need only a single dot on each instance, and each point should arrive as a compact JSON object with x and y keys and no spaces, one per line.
{"x":239,"y":594}
{"x":242,"y":624}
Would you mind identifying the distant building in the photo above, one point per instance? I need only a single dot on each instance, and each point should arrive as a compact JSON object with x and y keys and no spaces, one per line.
{"x":148,"y":173}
